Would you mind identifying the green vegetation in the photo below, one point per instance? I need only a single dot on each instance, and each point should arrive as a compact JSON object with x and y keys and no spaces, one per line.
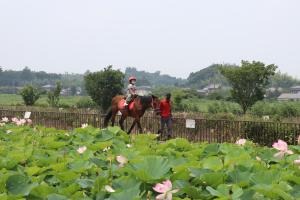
{"x":153,"y":79}
{"x":89,"y":163}
{"x":248,"y":82}
{"x":277,"y":109}
{"x":206,"y":76}
{"x":102,"y":86}
{"x":30,"y":95}
{"x":53,"y":96}
{"x":16,"y":100}
{"x":26,"y":76}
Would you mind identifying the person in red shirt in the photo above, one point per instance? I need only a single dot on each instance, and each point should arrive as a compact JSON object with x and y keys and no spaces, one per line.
{"x":166,"y":115}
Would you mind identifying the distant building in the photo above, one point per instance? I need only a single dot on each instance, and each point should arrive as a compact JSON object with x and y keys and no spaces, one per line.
{"x":203,"y":92}
{"x":48,"y":87}
{"x":78,"y":91}
{"x":209,"y":89}
{"x":294,"y":95}
{"x":295,"y":89}
{"x":66,"y":92}
{"x":144,"y":90}
{"x":289,"y":97}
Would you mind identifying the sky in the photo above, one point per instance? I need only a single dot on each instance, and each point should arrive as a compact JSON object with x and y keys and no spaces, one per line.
{"x":175,"y":37}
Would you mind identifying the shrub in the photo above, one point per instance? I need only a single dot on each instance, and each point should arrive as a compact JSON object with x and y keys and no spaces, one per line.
{"x":102,"y":86}
{"x":30,"y":95}
{"x":53,"y":96}
{"x":85,"y":102}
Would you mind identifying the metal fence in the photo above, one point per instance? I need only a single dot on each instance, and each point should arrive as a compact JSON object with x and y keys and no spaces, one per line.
{"x":205,"y":130}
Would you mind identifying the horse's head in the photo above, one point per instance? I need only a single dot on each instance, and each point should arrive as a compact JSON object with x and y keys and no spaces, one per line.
{"x":155,"y":103}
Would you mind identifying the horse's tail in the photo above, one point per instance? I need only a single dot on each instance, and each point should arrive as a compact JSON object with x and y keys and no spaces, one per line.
{"x":107,"y":117}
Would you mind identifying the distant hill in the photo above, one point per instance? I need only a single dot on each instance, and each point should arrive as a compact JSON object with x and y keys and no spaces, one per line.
{"x":211,"y":75}
{"x":153,"y":79}
{"x":206,"y":76}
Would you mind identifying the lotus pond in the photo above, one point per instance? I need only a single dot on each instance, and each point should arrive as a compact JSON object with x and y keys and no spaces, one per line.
{"x":88,"y":163}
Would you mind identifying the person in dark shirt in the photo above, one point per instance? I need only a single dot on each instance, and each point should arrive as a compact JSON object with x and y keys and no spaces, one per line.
{"x":166,"y":115}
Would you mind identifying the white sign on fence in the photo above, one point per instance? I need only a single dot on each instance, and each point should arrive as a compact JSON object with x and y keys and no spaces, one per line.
{"x":190,"y":123}
{"x":27,"y":115}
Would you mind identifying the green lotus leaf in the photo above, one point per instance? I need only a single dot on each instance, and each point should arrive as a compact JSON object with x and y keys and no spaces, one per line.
{"x":213,"y":163}
{"x":130,"y":193}
{"x":85,"y":183}
{"x":151,"y":168}
{"x":41,"y":191}
{"x":19,"y":185}
{"x":56,"y":197}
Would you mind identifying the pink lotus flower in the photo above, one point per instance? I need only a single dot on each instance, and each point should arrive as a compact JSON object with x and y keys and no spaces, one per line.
{"x":297,"y":162}
{"x":165,"y":189}
{"x":283,"y":149}
{"x":5,"y":119}
{"x":122,"y":160}
{"x":81,"y":150}
{"x":14,"y":119}
{"x":29,"y":121}
{"x":20,"y":122}
{"x":241,"y":142}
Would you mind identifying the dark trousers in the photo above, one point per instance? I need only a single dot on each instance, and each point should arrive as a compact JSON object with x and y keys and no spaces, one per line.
{"x":168,"y":122}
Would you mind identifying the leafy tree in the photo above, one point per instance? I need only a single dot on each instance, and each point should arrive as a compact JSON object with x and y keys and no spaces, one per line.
{"x":30,"y":95}
{"x":53,"y":96}
{"x":26,"y":74}
{"x":283,"y":80}
{"x":248,"y":82}
{"x":102,"y":86}
{"x":153,"y":79}
{"x":73,"y":90}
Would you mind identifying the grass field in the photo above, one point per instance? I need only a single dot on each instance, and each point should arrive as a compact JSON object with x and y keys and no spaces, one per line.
{"x":210,"y":106}
{"x":14,"y":99}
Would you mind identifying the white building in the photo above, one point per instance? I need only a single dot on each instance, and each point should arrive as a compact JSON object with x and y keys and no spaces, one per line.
{"x":289,"y":97}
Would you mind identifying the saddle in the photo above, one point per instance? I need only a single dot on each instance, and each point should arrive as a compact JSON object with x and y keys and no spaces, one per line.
{"x":122,"y":102}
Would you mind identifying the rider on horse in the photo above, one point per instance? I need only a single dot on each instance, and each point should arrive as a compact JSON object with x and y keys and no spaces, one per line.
{"x":131,"y":90}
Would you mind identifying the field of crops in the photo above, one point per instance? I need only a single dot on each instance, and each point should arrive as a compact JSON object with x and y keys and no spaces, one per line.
{"x":88,"y":163}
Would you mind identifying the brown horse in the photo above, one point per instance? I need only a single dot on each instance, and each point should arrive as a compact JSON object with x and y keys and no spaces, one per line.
{"x":136,"y":109}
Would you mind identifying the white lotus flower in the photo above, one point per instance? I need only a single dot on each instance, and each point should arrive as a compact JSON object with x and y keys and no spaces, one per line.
{"x":106,"y":149}
{"x":84,"y":125}
{"x":5,"y":119}
{"x":109,"y":189}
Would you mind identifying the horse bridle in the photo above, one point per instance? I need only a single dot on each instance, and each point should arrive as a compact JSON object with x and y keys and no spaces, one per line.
{"x":152,"y":105}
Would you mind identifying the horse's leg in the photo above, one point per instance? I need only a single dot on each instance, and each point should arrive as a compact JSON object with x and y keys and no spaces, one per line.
{"x":132,"y":126}
{"x":121,"y":122}
{"x":139,"y":124}
{"x":113,"y":118}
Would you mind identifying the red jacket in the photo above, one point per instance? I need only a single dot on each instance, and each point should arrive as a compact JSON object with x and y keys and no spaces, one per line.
{"x":165,"y":108}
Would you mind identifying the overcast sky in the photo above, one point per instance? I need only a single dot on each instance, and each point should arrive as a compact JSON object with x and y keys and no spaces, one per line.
{"x":174,"y":36}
